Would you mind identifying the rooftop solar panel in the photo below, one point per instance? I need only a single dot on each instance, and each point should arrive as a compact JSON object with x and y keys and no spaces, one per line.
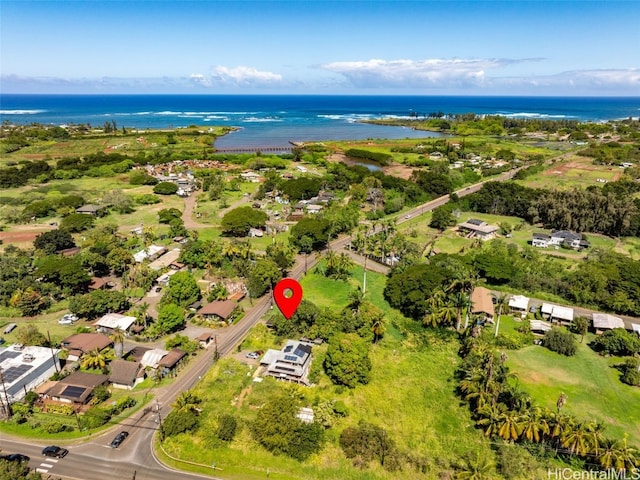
{"x":8,"y":354}
{"x":73,"y":391}
{"x":10,"y":375}
{"x":291,"y":358}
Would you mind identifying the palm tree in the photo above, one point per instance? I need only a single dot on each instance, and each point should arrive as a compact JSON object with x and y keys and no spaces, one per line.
{"x":118,"y":341}
{"x":478,"y":467}
{"x":509,"y":425}
{"x":491,"y":418}
{"x":578,"y":439}
{"x":378,"y":328}
{"x":534,"y":425}
{"x":140,"y":312}
{"x":94,"y":359}
{"x":461,"y":287}
{"x":187,"y":402}
{"x":619,"y":455}
{"x":502,"y":302}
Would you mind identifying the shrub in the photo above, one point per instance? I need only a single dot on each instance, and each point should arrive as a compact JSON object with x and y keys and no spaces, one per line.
{"x":630,"y":373}
{"x":165,"y":188}
{"x":54,"y":427}
{"x":560,"y":341}
{"x":227,"y":426}
{"x":179,"y":421}
{"x":617,"y":342}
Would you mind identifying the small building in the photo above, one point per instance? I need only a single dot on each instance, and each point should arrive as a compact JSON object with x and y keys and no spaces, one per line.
{"x":114,"y":321}
{"x":250,"y":176}
{"x":568,"y":239}
{"x":80,"y":343}
{"x":563,"y":315}
{"x":519,"y":303}
{"x":165,"y":277}
{"x":314,"y":208}
{"x":474,"y":228}
{"x":635,"y":327}
{"x":291,"y":363}
{"x":603,"y":322}
{"x":24,"y":368}
{"x":165,"y":259}
{"x":76,"y":389}
{"x":150,"y":253}
{"x":540,"y":240}
{"x":540,"y":326}
{"x":171,"y":360}
{"x":151,"y":357}
{"x":256,"y":233}
{"x":93,"y":210}
{"x":98,"y":283}
{"x":206,"y":339}
{"x":218,"y":310}
{"x":125,"y":375}
{"x":482,"y":304}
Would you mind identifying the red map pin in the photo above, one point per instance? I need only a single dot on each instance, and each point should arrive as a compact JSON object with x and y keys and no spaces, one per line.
{"x":288,"y":294}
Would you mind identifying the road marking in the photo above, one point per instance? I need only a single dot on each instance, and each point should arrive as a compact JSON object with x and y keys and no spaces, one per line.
{"x":46,"y":465}
{"x":42,"y":470}
{"x":54,"y":460}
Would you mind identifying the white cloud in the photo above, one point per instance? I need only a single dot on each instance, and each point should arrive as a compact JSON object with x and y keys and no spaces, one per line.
{"x":430,"y":73}
{"x":242,"y":75}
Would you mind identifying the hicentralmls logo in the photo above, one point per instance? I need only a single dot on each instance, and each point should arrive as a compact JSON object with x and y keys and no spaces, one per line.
{"x":611,"y":474}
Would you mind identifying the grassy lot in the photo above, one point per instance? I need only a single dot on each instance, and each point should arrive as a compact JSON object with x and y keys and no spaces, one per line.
{"x":411,"y":395}
{"x":592,"y":386}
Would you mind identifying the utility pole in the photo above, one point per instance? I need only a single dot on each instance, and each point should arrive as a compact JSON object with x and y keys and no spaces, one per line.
{"x":53,"y":355}
{"x":5,"y":406}
{"x":159,"y":421}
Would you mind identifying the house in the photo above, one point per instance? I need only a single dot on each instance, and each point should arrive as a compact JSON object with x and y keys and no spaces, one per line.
{"x":150,"y":253}
{"x":314,"y":209}
{"x":80,"y":343}
{"x":171,"y":360}
{"x":557,"y":313}
{"x":250,"y":176}
{"x":165,"y":259}
{"x":24,"y":368}
{"x":474,"y":228}
{"x":124,"y":374}
{"x":98,"y":283}
{"x":93,"y":210}
{"x":568,"y":239}
{"x":206,"y":339}
{"x":604,"y":321}
{"x":256,"y":233}
{"x":540,"y":240}
{"x":482,"y":304}
{"x":291,"y":363}
{"x":519,"y":303}
{"x":165,"y":277}
{"x":539,"y":326}
{"x":635,"y":328}
{"x":218,"y":310}
{"x":76,"y":389}
{"x":114,"y":321}
{"x":151,"y":357}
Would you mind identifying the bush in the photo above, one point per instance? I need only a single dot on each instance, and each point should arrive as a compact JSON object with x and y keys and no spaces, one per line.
{"x":165,"y":188}
{"x":560,"y":341}
{"x":179,"y":421}
{"x":54,"y":427}
{"x":617,"y":342}
{"x":227,"y":426}
{"x":630,"y":374}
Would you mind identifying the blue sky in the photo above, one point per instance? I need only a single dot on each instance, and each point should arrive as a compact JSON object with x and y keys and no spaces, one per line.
{"x":321,"y":47}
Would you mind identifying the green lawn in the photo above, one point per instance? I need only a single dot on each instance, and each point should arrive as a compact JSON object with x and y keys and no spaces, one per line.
{"x":592,"y":386}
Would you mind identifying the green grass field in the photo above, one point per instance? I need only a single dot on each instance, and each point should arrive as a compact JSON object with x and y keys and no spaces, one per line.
{"x":590,"y":382}
{"x":411,"y":395}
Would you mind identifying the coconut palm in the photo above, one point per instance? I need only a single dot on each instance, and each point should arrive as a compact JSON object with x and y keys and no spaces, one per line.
{"x":491,"y":418}
{"x":502,"y":302}
{"x":187,"y":402}
{"x":534,"y":425}
{"x":461,"y":287}
{"x":476,"y":467}
{"x":509,"y":425}
{"x":579,"y":439}
{"x":94,"y":359}
{"x":118,"y":341}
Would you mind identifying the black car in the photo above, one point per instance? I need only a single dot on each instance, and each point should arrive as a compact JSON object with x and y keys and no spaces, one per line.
{"x":15,"y":457}
{"x":115,"y":443}
{"x":54,"y":451}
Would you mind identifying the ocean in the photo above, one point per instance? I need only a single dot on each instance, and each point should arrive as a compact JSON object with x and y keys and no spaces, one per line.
{"x":276,"y":120}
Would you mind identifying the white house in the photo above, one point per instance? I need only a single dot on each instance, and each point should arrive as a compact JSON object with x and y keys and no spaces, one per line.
{"x":519,"y":303}
{"x":291,"y":363}
{"x":604,"y":321}
{"x":540,"y":240}
{"x":24,"y":368}
{"x":114,"y":321}
{"x":556,"y":312}
{"x":150,"y":253}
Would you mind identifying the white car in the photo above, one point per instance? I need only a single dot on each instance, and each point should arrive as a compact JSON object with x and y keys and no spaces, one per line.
{"x":254,"y":355}
{"x":68,"y":319}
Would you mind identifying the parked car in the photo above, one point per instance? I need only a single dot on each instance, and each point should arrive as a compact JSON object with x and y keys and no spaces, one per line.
{"x":54,"y":451}
{"x":68,"y":319}
{"x":121,"y":437}
{"x":253,"y":355}
{"x":15,"y":457}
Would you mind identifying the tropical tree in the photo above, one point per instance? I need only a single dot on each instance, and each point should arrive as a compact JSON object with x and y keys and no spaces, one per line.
{"x":378,"y":328}
{"x":501,"y":304}
{"x":461,"y":287}
{"x":94,"y":359}
{"x":534,"y":425}
{"x":187,"y":401}
{"x":509,"y":425}
{"x":476,"y":467}
{"x":118,"y":341}
{"x":579,"y":439}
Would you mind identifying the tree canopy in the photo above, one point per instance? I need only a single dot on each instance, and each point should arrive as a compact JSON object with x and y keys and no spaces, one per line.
{"x":239,"y":221}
